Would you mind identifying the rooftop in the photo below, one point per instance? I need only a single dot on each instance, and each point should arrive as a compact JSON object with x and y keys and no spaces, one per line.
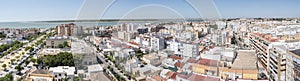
{"x":208,"y":62}
{"x":95,"y":68}
{"x":245,"y":59}
{"x":196,"y":77}
{"x":63,"y":69}
{"x":40,"y":71}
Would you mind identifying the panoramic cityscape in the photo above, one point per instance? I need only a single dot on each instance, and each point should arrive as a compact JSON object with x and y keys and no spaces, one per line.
{"x":143,"y":40}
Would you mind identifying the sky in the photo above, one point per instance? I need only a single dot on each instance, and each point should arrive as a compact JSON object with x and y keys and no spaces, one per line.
{"x":43,"y":10}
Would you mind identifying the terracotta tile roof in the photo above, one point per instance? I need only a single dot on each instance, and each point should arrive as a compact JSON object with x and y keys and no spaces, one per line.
{"x":211,"y":79}
{"x":195,"y":77}
{"x":208,"y":62}
{"x":185,"y":76}
{"x":191,"y":60}
{"x":179,"y":64}
{"x":171,"y":75}
{"x":175,"y":57}
{"x":158,"y":78}
{"x":134,"y":43}
{"x":174,"y":76}
{"x":267,"y":37}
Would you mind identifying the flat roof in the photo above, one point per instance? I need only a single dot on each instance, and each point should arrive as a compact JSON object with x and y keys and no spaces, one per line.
{"x":63,"y":69}
{"x":40,"y":71}
{"x":95,"y":68}
{"x":245,"y":59}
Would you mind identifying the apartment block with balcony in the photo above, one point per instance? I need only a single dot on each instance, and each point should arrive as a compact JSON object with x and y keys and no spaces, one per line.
{"x":277,"y":70}
{"x":293,"y":66}
{"x":260,"y":43}
{"x":190,"y":50}
{"x":157,"y":43}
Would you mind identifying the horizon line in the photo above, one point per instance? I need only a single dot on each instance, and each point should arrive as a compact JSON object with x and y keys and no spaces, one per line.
{"x":154,"y":19}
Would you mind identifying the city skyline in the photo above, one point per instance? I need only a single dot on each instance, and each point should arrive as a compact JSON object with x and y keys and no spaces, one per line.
{"x":31,"y":10}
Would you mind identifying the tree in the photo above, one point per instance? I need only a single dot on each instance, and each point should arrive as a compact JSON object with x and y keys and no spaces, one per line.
{"x":66,"y":44}
{"x":77,"y":79}
{"x":19,"y":68}
{"x":12,"y":60}
{"x":33,"y":60}
{"x":39,"y":60}
{"x":2,"y":35}
{"x":27,"y":62}
{"x":29,"y":48}
{"x":4,"y":66}
{"x":61,"y":59}
{"x":66,"y":79}
{"x":60,"y":46}
{"x":7,"y":77}
{"x":5,"y":53}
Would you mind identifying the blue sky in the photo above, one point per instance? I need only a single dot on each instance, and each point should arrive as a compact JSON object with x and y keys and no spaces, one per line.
{"x":40,"y":10}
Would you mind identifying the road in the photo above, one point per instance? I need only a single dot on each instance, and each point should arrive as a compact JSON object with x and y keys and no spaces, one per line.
{"x":23,"y":57}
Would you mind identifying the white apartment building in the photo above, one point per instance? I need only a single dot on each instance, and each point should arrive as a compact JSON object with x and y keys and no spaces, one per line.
{"x":221,"y":24}
{"x":184,"y":49}
{"x":282,"y":61}
{"x":62,"y":72}
{"x":174,"y":46}
{"x":189,"y":49}
{"x":121,"y":35}
{"x":146,"y":42}
{"x":157,"y":43}
{"x":126,"y":36}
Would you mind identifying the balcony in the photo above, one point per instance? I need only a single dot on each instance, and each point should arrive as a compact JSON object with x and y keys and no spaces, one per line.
{"x":262,"y":63}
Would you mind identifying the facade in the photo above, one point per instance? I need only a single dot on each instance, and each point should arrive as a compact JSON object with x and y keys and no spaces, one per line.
{"x":63,"y":72}
{"x":81,"y":49}
{"x":126,"y":36}
{"x":277,"y":65}
{"x":39,"y":75}
{"x":157,"y":43}
{"x":243,"y":67}
{"x":173,"y":45}
{"x":69,"y":30}
{"x":293,"y":66}
{"x":54,"y":42}
{"x":65,"y":29}
{"x":207,"y":67}
{"x":279,"y":58}
{"x":190,"y":50}
{"x":261,"y":45}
